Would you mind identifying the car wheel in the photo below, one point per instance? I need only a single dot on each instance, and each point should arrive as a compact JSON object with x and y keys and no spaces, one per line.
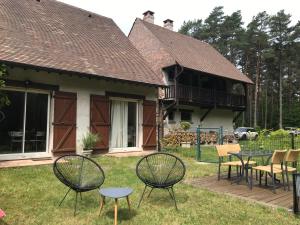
{"x":255,"y":137}
{"x":244,"y":137}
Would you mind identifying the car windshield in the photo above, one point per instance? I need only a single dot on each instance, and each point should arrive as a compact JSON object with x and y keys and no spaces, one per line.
{"x":240,"y":129}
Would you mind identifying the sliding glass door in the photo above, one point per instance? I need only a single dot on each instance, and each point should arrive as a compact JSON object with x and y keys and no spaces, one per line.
{"x":23,"y":123}
{"x":124,"y":117}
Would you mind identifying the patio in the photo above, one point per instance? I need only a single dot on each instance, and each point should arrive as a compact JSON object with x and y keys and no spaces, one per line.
{"x":30,"y":195}
{"x":260,"y":194}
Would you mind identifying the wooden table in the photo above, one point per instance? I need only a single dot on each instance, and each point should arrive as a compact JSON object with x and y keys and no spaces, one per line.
{"x":115,"y":193}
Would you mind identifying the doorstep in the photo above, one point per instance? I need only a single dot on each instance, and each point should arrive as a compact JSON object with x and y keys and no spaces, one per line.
{"x":25,"y":162}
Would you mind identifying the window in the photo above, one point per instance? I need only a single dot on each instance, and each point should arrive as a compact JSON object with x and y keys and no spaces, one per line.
{"x":171,"y":77}
{"x":186,"y":116}
{"x":171,"y":116}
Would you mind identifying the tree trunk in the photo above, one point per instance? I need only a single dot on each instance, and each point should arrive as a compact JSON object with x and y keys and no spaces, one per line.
{"x":266,"y":109}
{"x":256,"y":89}
{"x":280,"y":93}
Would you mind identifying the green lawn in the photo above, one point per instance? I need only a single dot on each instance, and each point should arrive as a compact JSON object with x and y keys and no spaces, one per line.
{"x":30,"y":195}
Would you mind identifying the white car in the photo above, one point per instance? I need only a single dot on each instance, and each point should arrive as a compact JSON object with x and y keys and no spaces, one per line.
{"x":293,"y":130}
{"x":245,"y":133}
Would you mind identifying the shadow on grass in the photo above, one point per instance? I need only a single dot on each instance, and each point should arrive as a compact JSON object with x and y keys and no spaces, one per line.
{"x":123,"y":214}
{"x":3,"y":222}
{"x":161,"y":197}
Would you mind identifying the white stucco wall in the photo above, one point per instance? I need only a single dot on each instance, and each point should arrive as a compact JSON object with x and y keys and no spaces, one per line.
{"x":84,"y":87}
{"x":215,"y":119}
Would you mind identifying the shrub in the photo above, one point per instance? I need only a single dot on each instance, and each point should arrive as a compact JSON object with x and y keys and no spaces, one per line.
{"x":89,"y":140}
{"x":185,"y":125}
{"x":279,"y":134}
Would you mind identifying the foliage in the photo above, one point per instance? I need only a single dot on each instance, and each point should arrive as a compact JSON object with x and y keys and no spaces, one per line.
{"x":279,"y":134}
{"x":89,"y":140}
{"x":185,"y":125}
{"x":3,"y":98}
{"x":267,"y":50}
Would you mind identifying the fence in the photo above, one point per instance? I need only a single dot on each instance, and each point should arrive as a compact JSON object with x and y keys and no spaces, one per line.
{"x":202,"y":141}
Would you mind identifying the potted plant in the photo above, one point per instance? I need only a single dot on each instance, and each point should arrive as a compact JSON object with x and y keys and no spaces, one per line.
{"x":185,"y":126}
{"x":89,"y":141}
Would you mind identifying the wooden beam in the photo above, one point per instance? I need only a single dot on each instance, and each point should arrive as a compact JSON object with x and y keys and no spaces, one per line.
{"x":205,"y":114}
{"x":31,"y":84}
{"x":237,"y":116}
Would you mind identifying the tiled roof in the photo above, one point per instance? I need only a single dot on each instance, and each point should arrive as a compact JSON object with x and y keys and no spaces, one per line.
{"x":195,"y":54}
{"x":51,"y":34}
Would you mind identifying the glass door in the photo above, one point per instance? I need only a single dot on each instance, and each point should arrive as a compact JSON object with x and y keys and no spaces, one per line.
{"x":12,"y":123}
{"x":36,"y":122}
{"x":23,"y":123}
{"x":124,"y":119}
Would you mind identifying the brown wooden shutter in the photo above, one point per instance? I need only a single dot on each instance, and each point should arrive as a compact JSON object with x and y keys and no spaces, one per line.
{"x":149,"y":125}
{"x":64,"y":125}
{"x":100,"y":120}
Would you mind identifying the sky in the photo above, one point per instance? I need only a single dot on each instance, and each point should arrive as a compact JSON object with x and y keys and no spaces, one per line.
{"x":124,"y":12}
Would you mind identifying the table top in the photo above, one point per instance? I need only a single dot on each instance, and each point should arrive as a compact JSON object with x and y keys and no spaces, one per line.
{"x":253,"y":153}
{"x":116,"y":192}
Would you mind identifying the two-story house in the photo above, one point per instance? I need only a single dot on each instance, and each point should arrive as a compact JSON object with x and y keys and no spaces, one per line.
{"x":71,"y":71}
{"x":202,"y":86}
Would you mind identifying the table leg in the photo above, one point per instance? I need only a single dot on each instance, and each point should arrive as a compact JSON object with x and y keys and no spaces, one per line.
{"x":116,"y":211}
{"x":102,"y":204}
{"x":127,"y":198}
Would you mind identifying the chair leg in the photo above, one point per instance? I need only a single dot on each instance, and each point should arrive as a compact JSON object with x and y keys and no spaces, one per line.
{"x":283,"y":180}
{"x":251,"y":178}
{"x":172,"y":194}
{"x":65,"y":196}
{"x":102,"y":203}
{"x":80,"y":196}
{"x":75,"y":204}
{"x":287,"y":179}
{"x":260,"y":175}
{"x":229,"y":172}
{"x":273,"y":183}
{"x":266,"y":179}
{"x":142,"y":196}
{"x":150,"y":193}
{"x":219,"y":171}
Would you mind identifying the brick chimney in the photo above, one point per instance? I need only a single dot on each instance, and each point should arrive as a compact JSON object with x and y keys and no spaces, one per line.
{"x":168,"y":24}
{"x":149,"y":16}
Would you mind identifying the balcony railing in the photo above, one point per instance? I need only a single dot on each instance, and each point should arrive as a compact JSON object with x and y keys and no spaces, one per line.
{"x":202,"y":96}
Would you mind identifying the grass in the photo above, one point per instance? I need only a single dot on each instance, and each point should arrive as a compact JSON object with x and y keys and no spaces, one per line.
{"x":30,"y":195}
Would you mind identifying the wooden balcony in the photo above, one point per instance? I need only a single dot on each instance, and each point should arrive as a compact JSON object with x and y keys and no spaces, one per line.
{"x":204,"y":97}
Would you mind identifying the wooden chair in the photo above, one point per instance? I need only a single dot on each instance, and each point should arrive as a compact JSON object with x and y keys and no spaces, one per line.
{"x":277,"y":158}
{"x":223,"y":151}
{"x":290,"y":158}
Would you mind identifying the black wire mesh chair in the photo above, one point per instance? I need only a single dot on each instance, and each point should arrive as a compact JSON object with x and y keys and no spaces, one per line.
{"x":160,"y":170}
{"x":79,"y":173}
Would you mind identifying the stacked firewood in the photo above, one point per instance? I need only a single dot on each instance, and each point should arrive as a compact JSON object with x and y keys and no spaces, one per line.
{"x":207,"y":138}
{"x":175,"y":139}
{"x":228,"y":138}
{"x":177,"y":136}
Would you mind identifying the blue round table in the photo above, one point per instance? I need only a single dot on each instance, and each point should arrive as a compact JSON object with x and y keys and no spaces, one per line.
{"x":116,"y":193}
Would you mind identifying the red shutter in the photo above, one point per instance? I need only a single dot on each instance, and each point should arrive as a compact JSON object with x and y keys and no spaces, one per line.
{"x":149,"y":125}
{"x":100,"y":120}
{"x":64,"y":125}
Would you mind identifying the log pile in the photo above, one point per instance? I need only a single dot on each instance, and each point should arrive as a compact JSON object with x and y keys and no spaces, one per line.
{"x":175,"y":137}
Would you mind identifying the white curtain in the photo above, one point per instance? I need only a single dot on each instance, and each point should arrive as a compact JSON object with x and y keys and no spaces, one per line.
{"x":119,"y":120}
